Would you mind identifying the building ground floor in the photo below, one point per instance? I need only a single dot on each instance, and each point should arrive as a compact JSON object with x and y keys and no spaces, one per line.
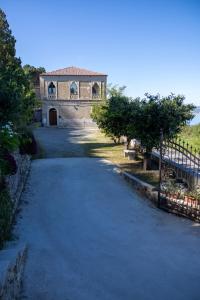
{"x":65,"y":113}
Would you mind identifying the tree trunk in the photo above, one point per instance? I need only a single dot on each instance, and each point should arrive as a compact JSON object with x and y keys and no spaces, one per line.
{"x":127,"y":143}
{"x":147,"y":161}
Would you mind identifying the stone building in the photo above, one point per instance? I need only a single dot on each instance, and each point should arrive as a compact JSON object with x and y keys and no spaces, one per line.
{"x":68,"y":94}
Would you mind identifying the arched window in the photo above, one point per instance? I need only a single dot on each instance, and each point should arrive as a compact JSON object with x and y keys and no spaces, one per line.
{"x":95,"y":90}
{"x":51,"y":89}
{"x":73,"y":89}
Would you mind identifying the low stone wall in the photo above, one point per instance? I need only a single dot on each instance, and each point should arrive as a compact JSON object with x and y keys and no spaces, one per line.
{"x":143,"y":188}
{"x":12,"y":260}
{"x":12,"y":263}
{"x":15,"y":183}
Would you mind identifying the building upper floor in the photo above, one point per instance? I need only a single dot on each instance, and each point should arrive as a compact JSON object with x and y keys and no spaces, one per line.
{"x":73,"y":84}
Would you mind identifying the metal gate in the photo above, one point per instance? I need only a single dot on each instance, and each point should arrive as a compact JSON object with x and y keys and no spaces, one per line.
{"x":179,"y":186}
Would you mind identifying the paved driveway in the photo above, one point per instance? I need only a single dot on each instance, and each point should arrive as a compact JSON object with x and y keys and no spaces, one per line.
{"x":63,"y":142}
{"x":92,"y":238}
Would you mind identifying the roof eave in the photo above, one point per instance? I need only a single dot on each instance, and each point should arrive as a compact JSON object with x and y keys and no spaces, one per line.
{"x":46,"y":74}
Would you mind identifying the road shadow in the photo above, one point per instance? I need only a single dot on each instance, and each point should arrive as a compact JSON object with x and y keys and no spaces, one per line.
{"x":67,"y":142}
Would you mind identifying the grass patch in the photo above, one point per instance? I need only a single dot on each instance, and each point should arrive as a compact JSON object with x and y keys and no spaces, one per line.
{"x":97,"y":145}
{"x":191,"y":135}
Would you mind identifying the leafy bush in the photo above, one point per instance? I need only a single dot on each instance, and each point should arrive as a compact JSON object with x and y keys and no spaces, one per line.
{"x":9,"y":141}
{"x":8,"y":164}
{"x":28,"y":144}
{"x":8,"y":137}
{"x":6,"y":207}
{"x":2,"y":183}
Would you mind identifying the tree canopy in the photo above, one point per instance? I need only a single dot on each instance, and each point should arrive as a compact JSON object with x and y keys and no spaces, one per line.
{"x":155,"y":113}
{"x":33,"y":73}
{"x":17,"y":99}
{"x":144,"y":118}
{"x":112,"y":115}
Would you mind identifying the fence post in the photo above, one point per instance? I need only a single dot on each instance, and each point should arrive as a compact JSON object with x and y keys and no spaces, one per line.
{"x":160,"y":166}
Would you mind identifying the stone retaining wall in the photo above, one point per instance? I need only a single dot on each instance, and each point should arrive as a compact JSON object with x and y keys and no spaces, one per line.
{"x":15,"y":183}
{"x":145,"y":189}
{"x":12,"y":260}
{"x":12,"y":263}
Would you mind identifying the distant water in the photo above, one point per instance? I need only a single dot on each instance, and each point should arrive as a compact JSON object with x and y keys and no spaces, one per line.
{"x":196,"y":119}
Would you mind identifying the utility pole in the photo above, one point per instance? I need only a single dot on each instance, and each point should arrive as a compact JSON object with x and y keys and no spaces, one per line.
{"x":160,"y":166}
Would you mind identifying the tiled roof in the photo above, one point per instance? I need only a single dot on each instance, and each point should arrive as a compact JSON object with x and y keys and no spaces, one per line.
{"x":73,"y":71}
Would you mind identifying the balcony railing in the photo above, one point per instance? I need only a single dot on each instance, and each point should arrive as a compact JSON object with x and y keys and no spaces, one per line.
{"x":96,"y":97}
{"x":51,"y":97}
{"x":74,"y":96}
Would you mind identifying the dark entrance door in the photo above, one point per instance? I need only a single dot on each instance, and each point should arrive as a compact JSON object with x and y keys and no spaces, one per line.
{"x":52,"y":116}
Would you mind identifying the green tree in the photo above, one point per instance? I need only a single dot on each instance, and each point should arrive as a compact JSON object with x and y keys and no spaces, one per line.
{"x":115,"y":90}
{"x":155,"y":113}
{"x":17,"y":98}
{"x":112,"y":116}
{"x":142,"y":119}
{"x":33,"y":73}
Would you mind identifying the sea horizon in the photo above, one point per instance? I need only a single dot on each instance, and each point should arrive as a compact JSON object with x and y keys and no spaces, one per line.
{"x":196,"y":119}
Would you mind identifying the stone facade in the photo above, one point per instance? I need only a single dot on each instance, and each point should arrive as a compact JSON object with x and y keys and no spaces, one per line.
{"x":67,"y":96}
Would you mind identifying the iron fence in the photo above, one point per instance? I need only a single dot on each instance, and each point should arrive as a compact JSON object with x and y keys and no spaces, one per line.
{"x":180,"y":179}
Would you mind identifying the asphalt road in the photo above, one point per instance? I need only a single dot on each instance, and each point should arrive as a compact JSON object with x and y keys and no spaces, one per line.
{"x":91,"y":237}
{"x":63,"y":142}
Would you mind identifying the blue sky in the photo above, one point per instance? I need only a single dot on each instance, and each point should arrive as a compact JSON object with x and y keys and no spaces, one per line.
{"x":148,"y":45}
